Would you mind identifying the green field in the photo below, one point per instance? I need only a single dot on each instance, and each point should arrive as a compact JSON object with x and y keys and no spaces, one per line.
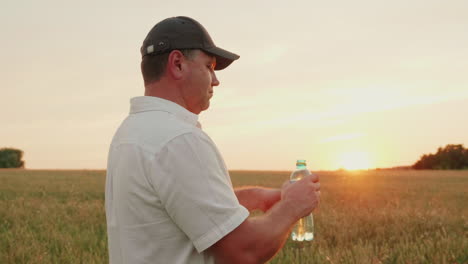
{"x":365,"y":217}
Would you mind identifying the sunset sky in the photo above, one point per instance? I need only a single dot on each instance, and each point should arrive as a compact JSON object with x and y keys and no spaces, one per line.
{"x":352,"y":84}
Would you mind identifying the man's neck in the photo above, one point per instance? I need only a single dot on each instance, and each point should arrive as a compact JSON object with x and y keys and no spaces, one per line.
{"x":165,"y":91}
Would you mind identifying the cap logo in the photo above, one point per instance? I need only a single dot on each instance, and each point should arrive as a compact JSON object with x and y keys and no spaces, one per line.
{"x":150,"y":49}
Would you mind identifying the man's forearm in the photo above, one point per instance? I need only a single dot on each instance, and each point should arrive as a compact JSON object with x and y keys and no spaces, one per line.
{"x":266,"y":235}
{"x":257,"y":239}
{"x":249,"y":197}
{"x":272,"y":231}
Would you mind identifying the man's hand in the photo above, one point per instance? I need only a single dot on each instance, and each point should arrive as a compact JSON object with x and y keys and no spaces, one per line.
{"x":269,"y":198}
{"x":258,"y":198}
{"x":303,"y":196}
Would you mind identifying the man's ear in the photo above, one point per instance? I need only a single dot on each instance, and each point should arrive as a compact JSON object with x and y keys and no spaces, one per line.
{"x":174,"y":64}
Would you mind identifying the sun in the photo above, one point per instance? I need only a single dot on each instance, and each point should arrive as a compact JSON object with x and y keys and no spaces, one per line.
{"x":355,"y":160}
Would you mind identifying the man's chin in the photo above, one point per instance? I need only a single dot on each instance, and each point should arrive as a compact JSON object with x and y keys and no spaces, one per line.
{"x":207,"y":105}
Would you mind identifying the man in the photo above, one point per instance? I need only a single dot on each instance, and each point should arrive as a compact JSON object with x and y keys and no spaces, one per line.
{"x":169,"y":198}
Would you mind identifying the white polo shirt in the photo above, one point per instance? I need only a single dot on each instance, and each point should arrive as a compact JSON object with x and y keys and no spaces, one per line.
{"x":168,"y":192}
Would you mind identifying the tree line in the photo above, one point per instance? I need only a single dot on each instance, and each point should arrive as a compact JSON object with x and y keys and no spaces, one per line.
{"x":450,"y":157}
{"x":11,"y":158}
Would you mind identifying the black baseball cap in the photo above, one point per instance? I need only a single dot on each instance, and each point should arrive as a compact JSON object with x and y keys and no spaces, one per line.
{"x":184,"y":33}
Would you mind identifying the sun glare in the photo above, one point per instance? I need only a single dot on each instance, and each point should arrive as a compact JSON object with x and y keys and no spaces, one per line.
{"x":355,"y":160}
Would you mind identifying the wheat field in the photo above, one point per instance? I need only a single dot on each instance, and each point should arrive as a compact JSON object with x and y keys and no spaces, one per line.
{"x":384,"y":216}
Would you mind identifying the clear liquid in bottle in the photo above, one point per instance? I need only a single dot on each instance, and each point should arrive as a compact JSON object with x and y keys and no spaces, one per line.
{"x":303,"y":230}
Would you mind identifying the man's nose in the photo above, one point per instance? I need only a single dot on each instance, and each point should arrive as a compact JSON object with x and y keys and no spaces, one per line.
{"x":214,"y":80}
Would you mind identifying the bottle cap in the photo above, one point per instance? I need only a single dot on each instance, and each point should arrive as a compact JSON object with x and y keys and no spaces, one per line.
{"x":301,"y":162}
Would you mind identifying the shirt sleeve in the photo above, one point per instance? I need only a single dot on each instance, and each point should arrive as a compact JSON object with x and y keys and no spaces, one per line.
{"x":195,"y":189}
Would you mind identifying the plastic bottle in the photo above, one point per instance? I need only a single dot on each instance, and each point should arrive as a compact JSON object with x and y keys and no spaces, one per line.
{"x":304,"y":228}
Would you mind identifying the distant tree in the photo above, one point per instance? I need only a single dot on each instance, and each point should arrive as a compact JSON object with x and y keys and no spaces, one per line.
{"x":11,"y":158}
{"x":451,"y":157}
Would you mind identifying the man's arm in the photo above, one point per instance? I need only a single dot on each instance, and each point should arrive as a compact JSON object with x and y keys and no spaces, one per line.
{"x":258,"y":239}
{"x":257,"y":198}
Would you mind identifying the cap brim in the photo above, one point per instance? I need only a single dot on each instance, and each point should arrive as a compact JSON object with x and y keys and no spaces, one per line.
{"x":223,"y":57}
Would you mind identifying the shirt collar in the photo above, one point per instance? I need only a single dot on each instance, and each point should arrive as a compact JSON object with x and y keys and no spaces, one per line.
{"x":151,"y":103}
